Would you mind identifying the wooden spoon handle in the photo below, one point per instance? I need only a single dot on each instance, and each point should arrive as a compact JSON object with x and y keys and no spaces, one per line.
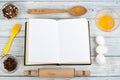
{"x":45,"y":11}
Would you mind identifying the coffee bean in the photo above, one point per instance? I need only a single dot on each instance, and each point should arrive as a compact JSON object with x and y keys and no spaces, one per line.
{"x":10,"y":64}
{"x":10,"y":11}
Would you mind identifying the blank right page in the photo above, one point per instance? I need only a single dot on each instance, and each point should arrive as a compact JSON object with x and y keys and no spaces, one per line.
{"x":74,"y":41}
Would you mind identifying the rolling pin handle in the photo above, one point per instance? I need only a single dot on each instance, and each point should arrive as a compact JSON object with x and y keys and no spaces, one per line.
{"x":31,"y":72}
{"x":82,"y":73}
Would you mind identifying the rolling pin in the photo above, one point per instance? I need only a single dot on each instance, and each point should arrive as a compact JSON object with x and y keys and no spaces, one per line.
{"x":57,"y":72}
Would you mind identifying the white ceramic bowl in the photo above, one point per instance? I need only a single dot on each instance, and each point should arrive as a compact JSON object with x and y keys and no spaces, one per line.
{"x":2,"y":63}
{"x":5,"y":6}
{"x":110,"y":12}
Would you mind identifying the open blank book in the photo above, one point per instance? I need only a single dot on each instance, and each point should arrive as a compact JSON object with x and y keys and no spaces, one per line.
{"x":50,"y":41}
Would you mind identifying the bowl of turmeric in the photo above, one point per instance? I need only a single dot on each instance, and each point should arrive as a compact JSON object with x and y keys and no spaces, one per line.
{"x":107,"y":19}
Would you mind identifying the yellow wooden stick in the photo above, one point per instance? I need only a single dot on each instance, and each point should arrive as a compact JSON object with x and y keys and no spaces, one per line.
{"x":15,"y":31}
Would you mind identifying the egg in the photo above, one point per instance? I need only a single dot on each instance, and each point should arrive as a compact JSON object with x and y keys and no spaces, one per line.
{"x":101,"y":49}
{"x":100,"y":59}
{"x":100,"y":40}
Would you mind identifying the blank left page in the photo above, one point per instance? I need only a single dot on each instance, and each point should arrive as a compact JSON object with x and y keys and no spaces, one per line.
{"x":42,"y":41}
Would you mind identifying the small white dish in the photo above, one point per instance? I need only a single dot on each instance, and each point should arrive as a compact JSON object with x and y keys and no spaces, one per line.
{"x":6,"y":4}
{"x":111,"y":12}
{"x":2,"y":65}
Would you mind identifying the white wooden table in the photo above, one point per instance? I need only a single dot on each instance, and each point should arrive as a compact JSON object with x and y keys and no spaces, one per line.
{"x":109,"y":71}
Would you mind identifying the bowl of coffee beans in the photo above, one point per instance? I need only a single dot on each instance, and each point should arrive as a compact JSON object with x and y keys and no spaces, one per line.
{"x":10,"y":10}
{"x":9,"y":64}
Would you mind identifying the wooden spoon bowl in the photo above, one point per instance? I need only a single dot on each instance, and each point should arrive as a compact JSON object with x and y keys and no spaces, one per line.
{"x":78,"y":10}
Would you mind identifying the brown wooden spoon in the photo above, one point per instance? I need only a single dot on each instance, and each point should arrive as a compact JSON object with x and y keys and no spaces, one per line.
{"x":76,"y":11}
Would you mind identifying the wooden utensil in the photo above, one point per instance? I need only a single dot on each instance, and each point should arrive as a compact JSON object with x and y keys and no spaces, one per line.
{"x":76,"y":11}
{"x":16,"y":29}
{"x":57,"y":72}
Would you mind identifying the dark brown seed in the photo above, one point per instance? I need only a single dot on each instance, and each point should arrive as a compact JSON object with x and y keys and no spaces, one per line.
{"x":10,"y":11}
{"x":10,"y":64}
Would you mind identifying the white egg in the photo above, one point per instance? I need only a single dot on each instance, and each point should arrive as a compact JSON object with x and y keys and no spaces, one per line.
{"x":101,"y":49}
{"x":100,"y":59}
{"x":100,"y":40}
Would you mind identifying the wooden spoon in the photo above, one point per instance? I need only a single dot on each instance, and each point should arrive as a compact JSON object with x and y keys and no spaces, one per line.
{"x":76,"y":11}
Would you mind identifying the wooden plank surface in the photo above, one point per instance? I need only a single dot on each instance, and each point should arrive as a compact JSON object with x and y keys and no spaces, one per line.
{"x":92,"y":8}
{"x":111,"y":68}
{"x":17,"y":47}
{"x":77,"y":78}
{"x":62,"y":0}
{"x":110,"y":71}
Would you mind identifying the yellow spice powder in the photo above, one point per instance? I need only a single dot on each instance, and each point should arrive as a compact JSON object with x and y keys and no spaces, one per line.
{"x":106,"y":22}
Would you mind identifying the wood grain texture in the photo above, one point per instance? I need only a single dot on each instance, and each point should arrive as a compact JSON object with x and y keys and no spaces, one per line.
{"x":77,"y":78}
{"x":63,"y":0}
{"x":5,"y":29}
{"x":92,"y":8}
{"x":17,"y":47}
{"x":110,"y":71}
{"x":111,"y":68}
